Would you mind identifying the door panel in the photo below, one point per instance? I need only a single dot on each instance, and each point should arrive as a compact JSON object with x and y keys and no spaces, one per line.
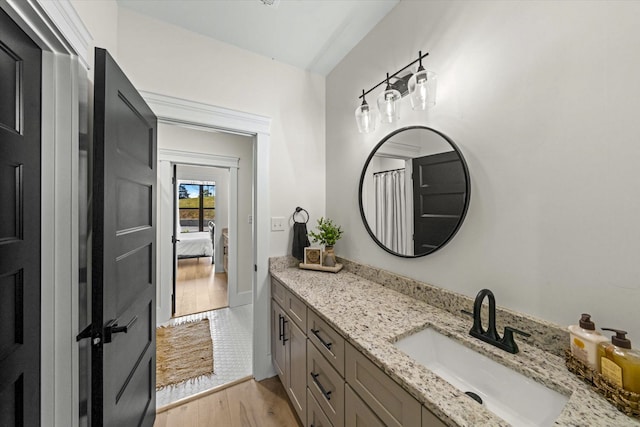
{"x":439,"y":195}
{"x":124,"y":250}
{"x":20,"y":82}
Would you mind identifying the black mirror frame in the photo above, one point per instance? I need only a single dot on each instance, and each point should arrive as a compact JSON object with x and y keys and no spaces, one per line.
{"x":467,"y":190}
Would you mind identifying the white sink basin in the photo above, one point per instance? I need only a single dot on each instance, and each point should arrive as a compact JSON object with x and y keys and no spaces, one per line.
{"x":510,"y":395}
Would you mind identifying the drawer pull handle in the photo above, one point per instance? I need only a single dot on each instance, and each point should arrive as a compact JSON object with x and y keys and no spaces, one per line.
{"x":280,"y":328}
{"x":284,"y":331}
{"x":316,"y":332}
{"x":325,"y":393}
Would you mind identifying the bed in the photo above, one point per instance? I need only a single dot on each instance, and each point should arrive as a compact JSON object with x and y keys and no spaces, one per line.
{"x":196,"y":244}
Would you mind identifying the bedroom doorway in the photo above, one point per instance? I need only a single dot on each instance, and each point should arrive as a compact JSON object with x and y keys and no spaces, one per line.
{"x":201,"y":222}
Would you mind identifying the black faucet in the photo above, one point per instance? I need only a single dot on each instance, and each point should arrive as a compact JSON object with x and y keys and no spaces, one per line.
{"x":490,"y":335}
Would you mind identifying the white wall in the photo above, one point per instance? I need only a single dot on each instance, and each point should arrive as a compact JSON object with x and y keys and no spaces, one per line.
{"x":101,"y":19}
{"x":543,"y":99}
{"x":221,"y":178}
{"x":165,"y":59}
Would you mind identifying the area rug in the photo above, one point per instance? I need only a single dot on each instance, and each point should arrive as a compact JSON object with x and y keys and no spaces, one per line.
{"x":183,"y":352}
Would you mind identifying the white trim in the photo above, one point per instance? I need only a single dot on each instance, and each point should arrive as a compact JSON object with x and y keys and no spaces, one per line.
{"x":189,"y":113}
{"x":232,"y":273}
{"x":59,"y":219}
{"x":184,"y":112}
{"x":65,"y":18}
{"x":262,"y":366}
{"x":191,"y":158}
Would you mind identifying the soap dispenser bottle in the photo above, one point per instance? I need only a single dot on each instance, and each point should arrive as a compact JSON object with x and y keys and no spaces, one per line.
{"x":619,"y":362}
{"x":585,"y":340}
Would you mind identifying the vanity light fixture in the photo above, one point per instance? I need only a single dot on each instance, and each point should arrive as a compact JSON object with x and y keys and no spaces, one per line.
{"x":389,"y":103}
{"x":421,"y":85}
{"x":366,"y":118}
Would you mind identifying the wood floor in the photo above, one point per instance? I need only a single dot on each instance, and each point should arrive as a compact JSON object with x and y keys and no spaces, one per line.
{"x":248,"y":404}
{"x":198,"y":287}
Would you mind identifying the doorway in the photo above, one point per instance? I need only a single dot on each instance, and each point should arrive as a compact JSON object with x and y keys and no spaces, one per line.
{"x":171,"y":110}
{"x":220,"y":171}
{"x":201,"y":203}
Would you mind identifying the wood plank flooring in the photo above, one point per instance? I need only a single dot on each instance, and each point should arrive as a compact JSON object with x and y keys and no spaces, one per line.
{"x":198,"y":287}
{"x":248,"y":404}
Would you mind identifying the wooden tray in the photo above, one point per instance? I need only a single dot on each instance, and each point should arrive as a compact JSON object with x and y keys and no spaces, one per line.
{"x":317,"y":267}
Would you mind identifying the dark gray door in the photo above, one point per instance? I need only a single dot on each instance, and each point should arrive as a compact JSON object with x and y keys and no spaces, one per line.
{"x":124,"y":251}
{"x":20,"y":76}
{"x":439,"y":194}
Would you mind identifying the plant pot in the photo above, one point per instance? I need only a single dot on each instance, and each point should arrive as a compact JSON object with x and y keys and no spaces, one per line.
{"x":329,"y":257}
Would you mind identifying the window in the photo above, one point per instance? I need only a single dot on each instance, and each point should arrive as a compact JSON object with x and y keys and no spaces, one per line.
{"x":196,"y":205}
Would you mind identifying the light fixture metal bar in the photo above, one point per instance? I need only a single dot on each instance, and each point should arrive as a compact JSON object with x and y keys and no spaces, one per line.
{"x":420,"y":58}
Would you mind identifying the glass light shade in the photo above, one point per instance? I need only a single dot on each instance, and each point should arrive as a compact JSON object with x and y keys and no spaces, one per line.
{"x":389,"y":105}
{"x":422,"y":89}
{"x":366,"y":118}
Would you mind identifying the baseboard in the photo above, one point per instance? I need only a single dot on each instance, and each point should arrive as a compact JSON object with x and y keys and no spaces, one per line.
{"x":241,"y":298}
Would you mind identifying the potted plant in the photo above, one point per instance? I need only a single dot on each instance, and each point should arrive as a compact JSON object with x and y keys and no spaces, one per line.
{"x":328,"y":234}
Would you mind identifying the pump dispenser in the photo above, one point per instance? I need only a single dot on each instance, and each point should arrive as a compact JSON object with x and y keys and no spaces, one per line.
{"x":618,"y":362}
{"x":585,"y":340}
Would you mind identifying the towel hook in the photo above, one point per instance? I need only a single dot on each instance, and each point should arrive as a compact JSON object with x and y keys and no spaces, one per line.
{"x":298,"y":210}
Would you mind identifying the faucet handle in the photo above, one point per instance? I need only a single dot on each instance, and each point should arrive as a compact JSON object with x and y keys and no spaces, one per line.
{"x":517,"y":331}
{"x":466,"y":313}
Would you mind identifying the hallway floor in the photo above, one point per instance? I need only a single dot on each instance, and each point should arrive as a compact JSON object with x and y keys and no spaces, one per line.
{"x":232,"y":334}
{"x":198,"y":287}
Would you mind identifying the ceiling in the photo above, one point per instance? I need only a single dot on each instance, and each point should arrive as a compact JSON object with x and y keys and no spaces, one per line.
{"x":310,"y":34}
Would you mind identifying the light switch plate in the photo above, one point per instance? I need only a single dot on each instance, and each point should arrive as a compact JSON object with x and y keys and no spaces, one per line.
{"x":277,"y":223}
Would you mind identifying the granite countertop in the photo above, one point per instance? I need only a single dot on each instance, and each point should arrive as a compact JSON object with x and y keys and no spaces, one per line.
{"x":372,"y":317}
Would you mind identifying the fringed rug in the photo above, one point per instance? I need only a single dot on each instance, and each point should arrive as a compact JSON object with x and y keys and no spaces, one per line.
{"x":183,"y":352}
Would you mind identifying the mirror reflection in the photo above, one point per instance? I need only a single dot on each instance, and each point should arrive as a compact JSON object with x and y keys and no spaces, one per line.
{"x":414,"y":191}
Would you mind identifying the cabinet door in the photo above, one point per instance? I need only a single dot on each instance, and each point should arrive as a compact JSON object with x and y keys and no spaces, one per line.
{"x":357,"y":413}
{"x":278,"y":348}
{"x":296,"y":346}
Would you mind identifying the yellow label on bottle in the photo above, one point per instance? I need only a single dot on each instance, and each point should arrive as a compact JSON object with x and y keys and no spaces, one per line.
{"x":578,"y":343}
{"x":611,"y":371}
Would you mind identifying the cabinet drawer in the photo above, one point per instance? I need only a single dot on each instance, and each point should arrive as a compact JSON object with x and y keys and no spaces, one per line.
{"x":326,"y":385}
{"x":357,"y":413}
{"x":297,"y":310}
{"x":278,"y":292}
{"x":327,"y":340}
{"x":390,"y":402}
{"x":430,"y":420}
{"x":315,"y":416}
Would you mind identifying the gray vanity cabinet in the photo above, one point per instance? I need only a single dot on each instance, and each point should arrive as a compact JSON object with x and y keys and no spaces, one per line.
{"x":430,"y":420}
{"x":329,"y":382}
{"x":390,"y":402}
{"x":315,"y":415}
{"x":289,"y":346}
{"x":277,"y":346}
{"x":326,"y":385}
{"x":357,"y":413}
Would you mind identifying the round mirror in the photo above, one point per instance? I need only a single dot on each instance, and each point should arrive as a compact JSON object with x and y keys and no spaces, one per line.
{"x":414,"y":191}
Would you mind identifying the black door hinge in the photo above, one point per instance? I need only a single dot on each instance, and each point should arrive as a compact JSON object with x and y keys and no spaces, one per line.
{"x":255,"y":267}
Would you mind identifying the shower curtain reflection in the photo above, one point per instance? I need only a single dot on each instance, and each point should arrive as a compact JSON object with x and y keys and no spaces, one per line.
{"x":390,"y":206}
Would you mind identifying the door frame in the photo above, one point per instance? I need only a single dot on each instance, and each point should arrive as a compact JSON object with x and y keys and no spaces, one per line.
{"x":167,"y":158}
{"x":171,"y":110}
{"x":58,"y":30}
